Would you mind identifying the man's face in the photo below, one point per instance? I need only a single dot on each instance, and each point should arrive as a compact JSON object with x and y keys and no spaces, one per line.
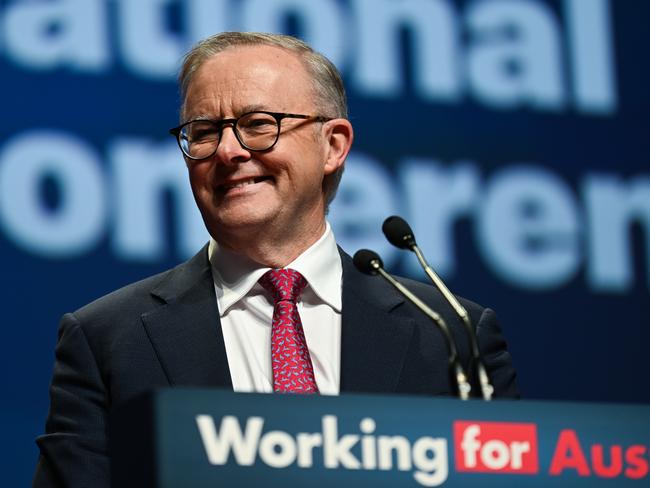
{"x":240,"y":191}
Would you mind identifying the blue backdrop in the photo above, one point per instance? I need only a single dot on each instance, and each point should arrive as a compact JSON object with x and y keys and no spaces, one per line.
{"x":510,"y":133}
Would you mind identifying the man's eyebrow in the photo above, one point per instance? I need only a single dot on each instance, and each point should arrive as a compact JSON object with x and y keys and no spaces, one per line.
{"x":253,"y":108}
{"x":196,"y":117}
{"x":201,"y":117}
{"x":243,"y":110}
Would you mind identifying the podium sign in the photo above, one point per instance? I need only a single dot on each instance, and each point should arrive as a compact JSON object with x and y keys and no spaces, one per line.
{"x":208,"y":438}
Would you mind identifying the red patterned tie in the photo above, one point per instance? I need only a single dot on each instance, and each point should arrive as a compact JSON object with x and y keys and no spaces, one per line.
{"x":292,"y":368}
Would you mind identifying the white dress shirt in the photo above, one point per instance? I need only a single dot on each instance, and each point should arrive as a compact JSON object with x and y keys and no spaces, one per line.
{"x":246,"y":312}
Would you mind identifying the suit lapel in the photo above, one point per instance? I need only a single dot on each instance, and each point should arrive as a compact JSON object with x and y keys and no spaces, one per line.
{"x":374,"y":334}
{"x":186,"y":330}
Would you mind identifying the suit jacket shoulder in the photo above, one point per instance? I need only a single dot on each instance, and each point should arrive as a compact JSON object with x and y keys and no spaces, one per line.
{"x":388,"y":345}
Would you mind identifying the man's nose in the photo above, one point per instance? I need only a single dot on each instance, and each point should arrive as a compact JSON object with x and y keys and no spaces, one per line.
{"x":229,"y":150}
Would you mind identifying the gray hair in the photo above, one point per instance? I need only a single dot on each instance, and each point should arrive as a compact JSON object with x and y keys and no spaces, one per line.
{"x":329,"y":92}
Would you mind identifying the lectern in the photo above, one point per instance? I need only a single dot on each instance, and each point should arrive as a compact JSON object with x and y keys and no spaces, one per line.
{"x":209,"y":438}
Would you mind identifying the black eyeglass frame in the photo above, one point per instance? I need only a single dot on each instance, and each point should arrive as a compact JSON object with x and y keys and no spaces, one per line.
{"x":221,"y":123}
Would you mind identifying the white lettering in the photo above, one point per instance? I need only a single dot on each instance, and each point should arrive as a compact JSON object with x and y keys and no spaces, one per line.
{"x":323,"y":22}
{"x":495,"y":454}
{"x":470,"y":445}
{"x":147,"y":46}
{"x":279,"y":449}
{"x":612,"y":207}
{"x":386,"y":446}
{"x":368,"y":445}
{"x":437,"y":196}
{"x":528,"y":228}
{"x":517,"y":451}
{"x":306,"y":444}
{"x":430,"y":458}
{"x":54,"y":197}
{"x":515,"y":58}
{"x":206,"y":17}
{"x":47,"y":35}
{"x":512,"y":57}
{"x":144,"y":173}
{"x":286,"y":453}
{"x":337,"y":450}
{"x":76,"y":222}
{"x":218,"y":445}
{"x":589,"y":35}
{"x":366,"y":196}
{"x":434,"y":29}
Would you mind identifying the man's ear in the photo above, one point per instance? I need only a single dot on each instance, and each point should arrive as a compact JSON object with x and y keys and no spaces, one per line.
{"x":338,"y":135}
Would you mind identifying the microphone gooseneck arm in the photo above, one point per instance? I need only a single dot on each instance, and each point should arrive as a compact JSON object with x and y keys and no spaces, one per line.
{"x":484,"y":381}
{"x":399,"y":233}
{"x":369,"y":262}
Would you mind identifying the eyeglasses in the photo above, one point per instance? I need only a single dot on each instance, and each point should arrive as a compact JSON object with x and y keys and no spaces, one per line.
{"x":255,"y":131}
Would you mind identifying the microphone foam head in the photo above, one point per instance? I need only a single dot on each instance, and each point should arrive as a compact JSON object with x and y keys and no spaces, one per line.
{"x":398,"y":232}
{"x":367,"y":261}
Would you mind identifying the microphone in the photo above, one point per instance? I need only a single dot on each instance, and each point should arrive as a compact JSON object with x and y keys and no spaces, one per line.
{"x":370,"y":263}
{"x":399,"y":233}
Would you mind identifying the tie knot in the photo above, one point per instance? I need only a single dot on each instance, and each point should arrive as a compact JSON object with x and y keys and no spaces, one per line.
{"x":284,"y":284}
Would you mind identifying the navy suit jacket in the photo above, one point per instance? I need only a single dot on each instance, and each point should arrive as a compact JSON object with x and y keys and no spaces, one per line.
{"x":165,"y":331}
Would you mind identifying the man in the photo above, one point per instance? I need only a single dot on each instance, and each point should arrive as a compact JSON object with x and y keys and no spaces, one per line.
{"x":265,"y":137}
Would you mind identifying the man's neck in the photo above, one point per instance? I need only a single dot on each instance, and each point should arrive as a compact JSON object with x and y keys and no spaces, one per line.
{"x":272,"y":249}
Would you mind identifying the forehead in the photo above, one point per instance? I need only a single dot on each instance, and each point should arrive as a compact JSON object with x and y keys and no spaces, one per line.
{"x":249,"y":77}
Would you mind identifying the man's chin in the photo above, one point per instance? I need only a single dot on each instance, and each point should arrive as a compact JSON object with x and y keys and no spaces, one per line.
{"x":240,"y":223}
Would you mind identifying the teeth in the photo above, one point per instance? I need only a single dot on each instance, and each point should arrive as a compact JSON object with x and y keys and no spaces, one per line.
{"x":240,"y":184}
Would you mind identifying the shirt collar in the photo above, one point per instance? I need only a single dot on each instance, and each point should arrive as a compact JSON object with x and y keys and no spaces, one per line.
{"x":235,"y":275}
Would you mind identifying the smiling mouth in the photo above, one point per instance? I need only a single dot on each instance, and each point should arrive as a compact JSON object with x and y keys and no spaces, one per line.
{"x":243,"y":183}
